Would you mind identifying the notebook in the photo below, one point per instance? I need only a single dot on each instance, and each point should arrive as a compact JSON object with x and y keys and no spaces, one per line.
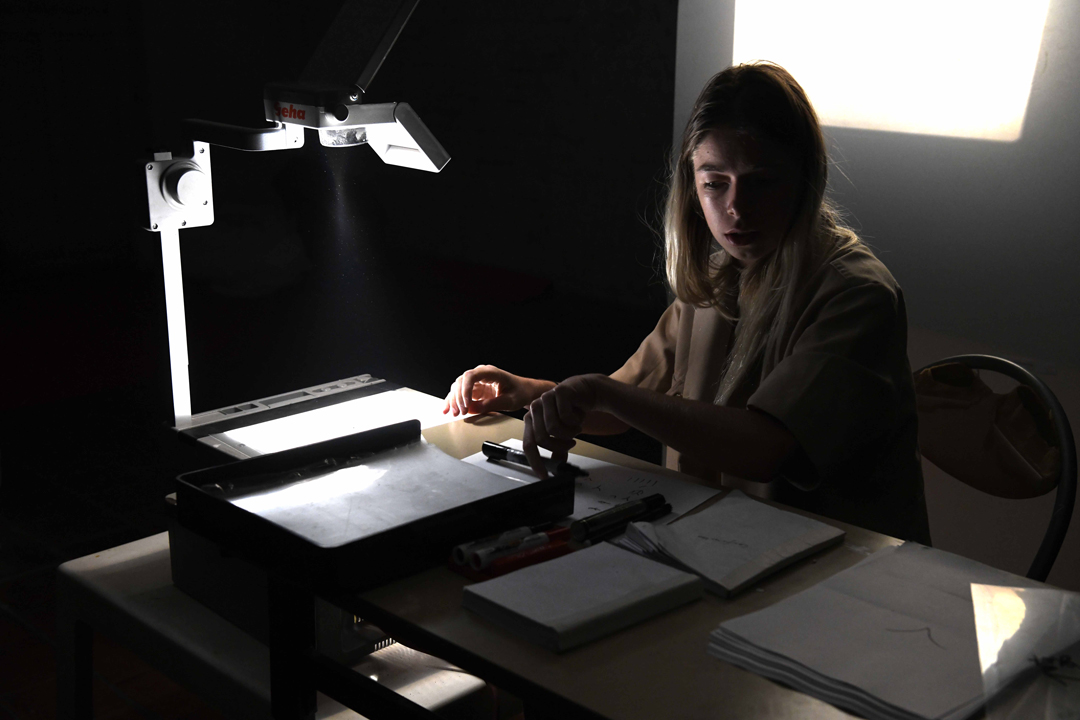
{"x":577,"y":598}
{"x":732,"y":543}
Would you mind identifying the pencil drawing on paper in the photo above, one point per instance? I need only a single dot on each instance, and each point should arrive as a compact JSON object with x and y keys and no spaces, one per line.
{"x":926,"y":629}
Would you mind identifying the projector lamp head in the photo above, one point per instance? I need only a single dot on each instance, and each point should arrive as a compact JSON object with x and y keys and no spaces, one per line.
{"x":393,"y":130}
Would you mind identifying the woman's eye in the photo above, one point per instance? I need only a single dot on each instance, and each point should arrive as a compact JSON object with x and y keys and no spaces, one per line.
{"x":715,"y":185}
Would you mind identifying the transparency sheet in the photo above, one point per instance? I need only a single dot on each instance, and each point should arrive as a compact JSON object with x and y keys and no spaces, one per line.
{"x":385,"y":491}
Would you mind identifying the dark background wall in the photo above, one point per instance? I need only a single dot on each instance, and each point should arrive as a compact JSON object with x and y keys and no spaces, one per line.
{"x":531,"y":250}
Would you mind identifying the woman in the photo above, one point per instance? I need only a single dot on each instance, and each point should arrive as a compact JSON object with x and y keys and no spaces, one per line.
{"x":783,"y":360}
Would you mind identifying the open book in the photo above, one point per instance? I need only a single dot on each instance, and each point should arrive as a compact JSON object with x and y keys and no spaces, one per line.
{"x":732,"y":543}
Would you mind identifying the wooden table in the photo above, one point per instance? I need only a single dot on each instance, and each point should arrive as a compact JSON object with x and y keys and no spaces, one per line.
{"x":658,"y":669}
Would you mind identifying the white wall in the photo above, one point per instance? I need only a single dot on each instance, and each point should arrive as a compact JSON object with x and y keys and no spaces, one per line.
{"x":983,"y":236}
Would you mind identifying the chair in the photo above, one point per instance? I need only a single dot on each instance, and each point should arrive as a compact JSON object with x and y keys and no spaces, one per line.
{"x":1013,"y":445}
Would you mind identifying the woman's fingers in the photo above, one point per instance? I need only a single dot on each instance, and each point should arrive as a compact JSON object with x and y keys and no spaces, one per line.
{"x":486,"y":388}
{"x":568,"y":406}
{"x":528,"y":445}
{"x":462,"y":398}
{"x":561,"y":422}
{"x":552,"y":422}
{"x":451,"y":405}
{"x":455,"y":399}
{"x":558,"y":442}
{"x":535,"y":436}
{"x":471,"y":391}
{"x":481,"y":387}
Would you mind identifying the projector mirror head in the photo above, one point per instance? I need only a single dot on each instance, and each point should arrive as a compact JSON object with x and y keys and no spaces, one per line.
{"x":393,"y":130}
{"x":397,"y":135}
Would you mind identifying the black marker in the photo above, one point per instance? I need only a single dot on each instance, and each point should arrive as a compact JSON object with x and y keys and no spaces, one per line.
{"x":496,"y":452}
{"x":654,"y":514}
{"x":617,"y":517}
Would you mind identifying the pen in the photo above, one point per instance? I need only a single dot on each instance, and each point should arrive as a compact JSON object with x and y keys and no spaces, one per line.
{"x":495,"y":451}
{"x":617,"y":516}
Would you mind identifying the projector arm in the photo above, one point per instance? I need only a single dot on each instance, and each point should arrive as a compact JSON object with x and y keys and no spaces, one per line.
{"x":275,"y":136}
{"x":179,"y":189}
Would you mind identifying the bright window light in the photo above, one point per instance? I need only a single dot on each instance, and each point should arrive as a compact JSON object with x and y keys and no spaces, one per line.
{"x":961,"y":68}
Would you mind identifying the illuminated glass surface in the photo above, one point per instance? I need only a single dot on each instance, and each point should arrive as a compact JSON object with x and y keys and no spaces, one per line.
{"x":345,"y":418}
{"x":389,"y":490}
{"x":319,"y":491}
{"x":959,"y":68}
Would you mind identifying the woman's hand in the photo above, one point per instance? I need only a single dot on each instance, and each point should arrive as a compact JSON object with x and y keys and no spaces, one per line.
{"x":486,"y":388}
{"x":556,"y":417}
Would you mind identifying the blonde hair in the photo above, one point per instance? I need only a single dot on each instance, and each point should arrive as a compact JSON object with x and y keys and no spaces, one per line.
{"x":762,"y":99}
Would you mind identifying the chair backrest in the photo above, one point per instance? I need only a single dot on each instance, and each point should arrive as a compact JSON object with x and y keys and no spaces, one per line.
{"x":1033,"y":453}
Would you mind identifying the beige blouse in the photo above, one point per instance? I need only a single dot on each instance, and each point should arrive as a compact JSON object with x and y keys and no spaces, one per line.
{"x":838,"y":378}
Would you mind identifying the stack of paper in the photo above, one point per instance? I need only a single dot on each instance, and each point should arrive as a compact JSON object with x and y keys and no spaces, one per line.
{"x":892,"y":637}
{"x":733,"y":543}
{"x":580,"y":597}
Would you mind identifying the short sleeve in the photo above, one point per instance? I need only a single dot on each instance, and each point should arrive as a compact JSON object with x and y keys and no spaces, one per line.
{"x":653,"y":365}
{"x":838,"y":389}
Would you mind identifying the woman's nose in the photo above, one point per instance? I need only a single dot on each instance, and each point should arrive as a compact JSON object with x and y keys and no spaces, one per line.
{"x":735,"y":201}
{"x":735,"y":204}
{"x":741,"y":198}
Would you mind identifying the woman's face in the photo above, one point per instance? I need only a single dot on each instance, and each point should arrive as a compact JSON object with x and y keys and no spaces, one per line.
{"x":748,"y":187}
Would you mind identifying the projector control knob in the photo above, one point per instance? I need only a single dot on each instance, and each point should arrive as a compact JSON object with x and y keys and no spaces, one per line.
{"x":185,"y":185}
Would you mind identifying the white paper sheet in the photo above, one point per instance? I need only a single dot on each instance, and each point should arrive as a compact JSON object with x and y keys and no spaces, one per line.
{"x":609,"y":485}
{"x":893,"y":636}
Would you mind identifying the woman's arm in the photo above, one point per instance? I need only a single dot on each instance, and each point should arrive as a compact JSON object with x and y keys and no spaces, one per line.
{"x":602,"y":423}
{"x":746,"y":443}
{"x":486,"y":388}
